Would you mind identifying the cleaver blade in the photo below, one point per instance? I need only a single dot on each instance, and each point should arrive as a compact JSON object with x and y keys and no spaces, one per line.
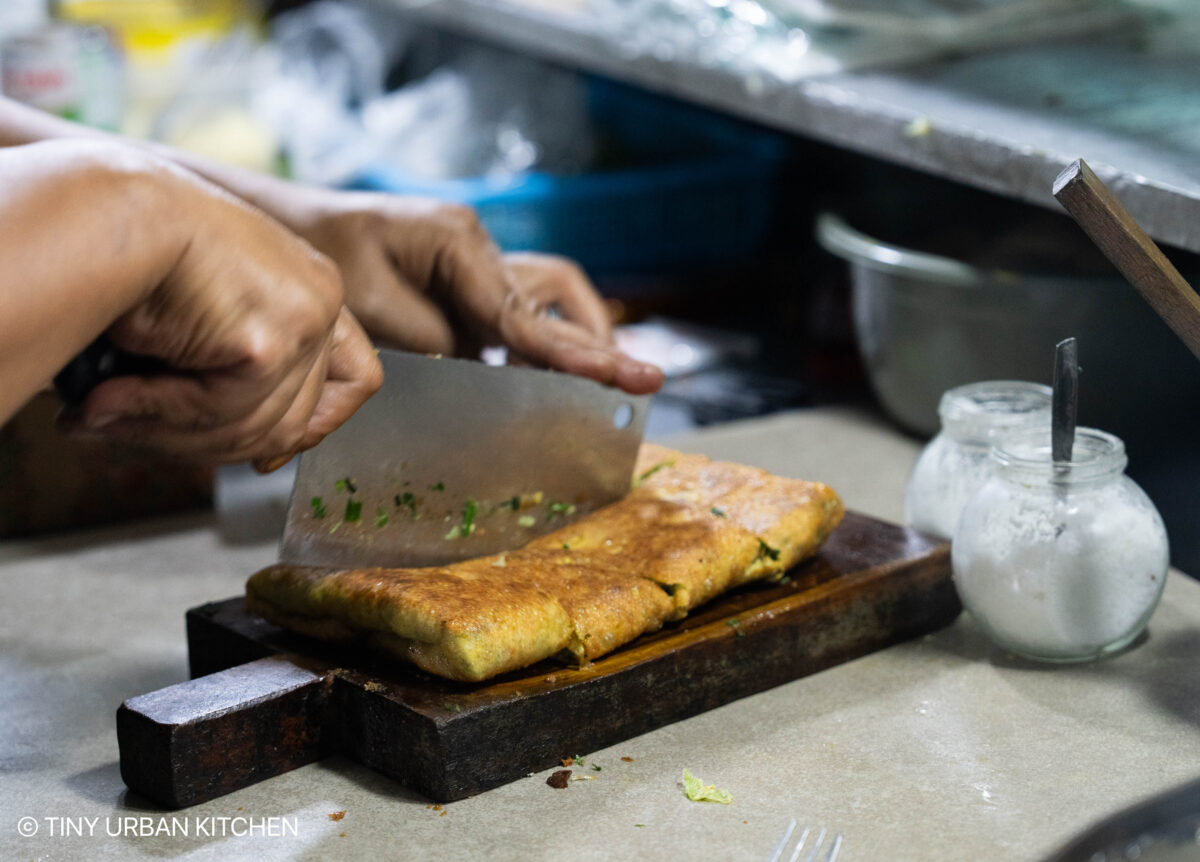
{"x":454,"y":459}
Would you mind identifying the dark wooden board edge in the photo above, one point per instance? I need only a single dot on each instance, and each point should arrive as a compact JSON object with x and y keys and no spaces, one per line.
{"x":873,"y":585}
{"x":198,"y":740}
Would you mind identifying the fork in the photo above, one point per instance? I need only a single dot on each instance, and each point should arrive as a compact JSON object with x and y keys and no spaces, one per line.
{"x":810,"y":842}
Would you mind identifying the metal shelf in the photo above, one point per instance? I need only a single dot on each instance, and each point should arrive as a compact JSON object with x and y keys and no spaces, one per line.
{"x":1006,"y":121}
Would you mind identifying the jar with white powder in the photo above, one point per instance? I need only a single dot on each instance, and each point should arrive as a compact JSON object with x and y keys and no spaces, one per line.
{"x":1060,"y":561}
{"x":955,"y":464}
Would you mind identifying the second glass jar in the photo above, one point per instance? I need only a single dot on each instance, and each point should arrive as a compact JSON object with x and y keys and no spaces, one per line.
{"x":955,"y":464}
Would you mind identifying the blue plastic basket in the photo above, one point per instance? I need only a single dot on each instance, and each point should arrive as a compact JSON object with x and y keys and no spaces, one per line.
{"x":702,"y":197}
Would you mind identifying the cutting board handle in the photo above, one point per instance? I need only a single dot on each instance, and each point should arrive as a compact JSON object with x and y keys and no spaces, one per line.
{"x":209,"y":736}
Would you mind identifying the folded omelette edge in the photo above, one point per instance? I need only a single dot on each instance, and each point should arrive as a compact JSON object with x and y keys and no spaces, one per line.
{"x":690,"y":529}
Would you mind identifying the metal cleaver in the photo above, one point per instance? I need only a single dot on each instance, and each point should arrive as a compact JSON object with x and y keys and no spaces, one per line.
{"x":454,"y":459}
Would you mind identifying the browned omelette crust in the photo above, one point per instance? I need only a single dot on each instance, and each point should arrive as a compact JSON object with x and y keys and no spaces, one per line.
{"x":690,"y":529}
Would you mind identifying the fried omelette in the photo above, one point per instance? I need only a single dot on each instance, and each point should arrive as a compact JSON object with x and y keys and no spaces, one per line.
{"x":690,"y":529}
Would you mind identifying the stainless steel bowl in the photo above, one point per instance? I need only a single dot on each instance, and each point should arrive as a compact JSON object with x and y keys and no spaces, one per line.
{"x":928,"y":322}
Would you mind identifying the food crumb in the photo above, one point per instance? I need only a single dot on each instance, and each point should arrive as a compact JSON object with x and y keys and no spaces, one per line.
{"x":698,"y":791}
{"x":443,"y":814}
{"x":627,"y":759}
{"x":568,"y":761}
{"x":337,"y":815}
{"x":373,"y":686}
{"x":437,"y":807}
{"x":919,"y":127}
{"x":239,"y":808}
{"x":559,"y":779}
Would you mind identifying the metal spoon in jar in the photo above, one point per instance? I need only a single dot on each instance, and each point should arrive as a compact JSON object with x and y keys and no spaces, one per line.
{"x":1064,"y":409}
{"x":1064,"y":406}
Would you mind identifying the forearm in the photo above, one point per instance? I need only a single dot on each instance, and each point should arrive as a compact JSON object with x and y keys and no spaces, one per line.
{"x":83,"y":239}
{"x":20,"y":124}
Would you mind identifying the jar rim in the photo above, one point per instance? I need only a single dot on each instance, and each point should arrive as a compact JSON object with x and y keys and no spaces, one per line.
{"x":985,"y":410}
{"x":1095,"y":454}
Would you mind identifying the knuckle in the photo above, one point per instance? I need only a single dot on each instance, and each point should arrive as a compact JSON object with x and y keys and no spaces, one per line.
{"x":460,"y":218}
{"x":292,"y":439}
{"x":369,"y":222}
{"x":258,"y":350}
{"x":327,"y":283}
{"x":243,"y":439}
{"x":373,"y":379}
{"x":564,"y":271}
{"x":282,"y":439}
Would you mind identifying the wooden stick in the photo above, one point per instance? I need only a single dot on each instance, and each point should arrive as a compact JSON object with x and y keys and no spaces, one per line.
{"x":1115,"y":233}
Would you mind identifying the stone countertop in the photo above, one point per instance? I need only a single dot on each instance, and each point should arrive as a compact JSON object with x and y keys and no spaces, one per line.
{"x":939,"y":748}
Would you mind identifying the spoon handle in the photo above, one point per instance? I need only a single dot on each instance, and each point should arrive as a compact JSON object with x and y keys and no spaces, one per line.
{"x":1064,"y":406}
{"x":1123,"y":242}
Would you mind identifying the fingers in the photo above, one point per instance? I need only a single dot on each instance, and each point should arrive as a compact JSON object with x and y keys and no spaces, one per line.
{"x":354,"y":375}
{"x":391,"y":310}
{"x":170,"y":413}
{"x":556,"y":281}
{"x":425,"y":276}
{"x":567,"y":347}
{"x":468,"y":269}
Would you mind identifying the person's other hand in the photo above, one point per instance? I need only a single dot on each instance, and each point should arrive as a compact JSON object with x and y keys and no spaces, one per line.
{"x":425,"y":276}
{"x":265,"y":359}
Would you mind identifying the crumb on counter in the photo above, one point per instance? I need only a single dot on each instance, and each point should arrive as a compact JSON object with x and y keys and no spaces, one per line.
{"x":559,"y":779}
{"x":918,"y":127}
{"x":337,"y":815}
{"x":627,"y":759}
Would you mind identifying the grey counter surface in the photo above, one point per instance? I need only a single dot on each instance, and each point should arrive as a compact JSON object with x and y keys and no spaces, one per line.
{"x":940,"y":748}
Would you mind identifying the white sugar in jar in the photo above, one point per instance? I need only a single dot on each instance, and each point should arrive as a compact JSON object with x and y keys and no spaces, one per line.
{"x":1060,"y":561}
{"x":955,"y":463}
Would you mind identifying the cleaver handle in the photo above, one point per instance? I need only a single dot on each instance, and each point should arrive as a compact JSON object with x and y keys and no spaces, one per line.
{"x":98,"y":362}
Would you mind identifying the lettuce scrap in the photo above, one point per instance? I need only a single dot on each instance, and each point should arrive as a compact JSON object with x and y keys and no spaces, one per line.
{"x":697,"y":791}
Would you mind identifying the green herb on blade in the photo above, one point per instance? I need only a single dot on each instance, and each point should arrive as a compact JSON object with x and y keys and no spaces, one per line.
{"x":470,"y":510}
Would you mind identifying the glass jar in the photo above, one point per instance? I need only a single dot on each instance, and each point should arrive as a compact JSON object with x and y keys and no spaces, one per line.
{"x":1060,"y":561}
{"x":955,"y":464}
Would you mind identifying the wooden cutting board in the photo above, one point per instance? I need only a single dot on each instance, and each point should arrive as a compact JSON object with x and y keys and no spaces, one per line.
{"x":264,"y":700}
